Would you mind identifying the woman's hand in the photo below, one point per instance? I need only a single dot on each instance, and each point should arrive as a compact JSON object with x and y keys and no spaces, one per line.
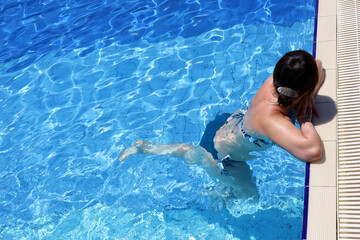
{"x":305,"y":109}
{"x":306,"y":106}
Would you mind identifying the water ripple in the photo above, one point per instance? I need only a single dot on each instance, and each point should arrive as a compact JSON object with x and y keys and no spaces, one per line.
{"x":47,"y":26}
{"x":80,"y":81}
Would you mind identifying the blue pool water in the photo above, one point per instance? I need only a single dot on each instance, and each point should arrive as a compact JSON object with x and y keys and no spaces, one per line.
{"x":82,"y":80}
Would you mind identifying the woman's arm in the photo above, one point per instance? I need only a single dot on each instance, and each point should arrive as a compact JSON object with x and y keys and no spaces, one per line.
{"x":304,"y":144}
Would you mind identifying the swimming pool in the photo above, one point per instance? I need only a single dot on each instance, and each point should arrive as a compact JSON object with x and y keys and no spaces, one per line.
{"x":82,"y":80}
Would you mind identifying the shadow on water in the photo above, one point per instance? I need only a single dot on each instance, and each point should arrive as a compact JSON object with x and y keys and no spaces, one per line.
{"x":210,"y":131}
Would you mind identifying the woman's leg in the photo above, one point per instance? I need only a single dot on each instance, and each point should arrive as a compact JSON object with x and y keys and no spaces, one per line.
{"x":190,"y":154}
{"x":239,"y":178}
{"x":244,"y":182}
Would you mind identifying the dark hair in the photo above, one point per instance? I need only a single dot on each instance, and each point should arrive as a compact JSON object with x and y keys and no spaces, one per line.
{"x":296,"y":70}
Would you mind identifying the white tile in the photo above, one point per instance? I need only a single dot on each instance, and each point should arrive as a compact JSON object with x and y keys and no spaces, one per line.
{"x":326,"y":52}
{"x":327,"y":7}
{"x":326,"y":30}
{"x":323,"y":172}
{"x":328,"y":89}
{"x":325,"y":125}
{"x":322,"y":213}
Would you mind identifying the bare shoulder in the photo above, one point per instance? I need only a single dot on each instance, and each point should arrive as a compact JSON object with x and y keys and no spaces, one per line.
{"x":267,"y":117}
{"x":318,"y":63}
{"x":267,"y":84}
{"x":271,"y":120}
{"x":264,"y":106}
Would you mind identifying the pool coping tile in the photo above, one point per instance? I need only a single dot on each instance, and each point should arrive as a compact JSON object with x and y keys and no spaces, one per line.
{"x":326,"y":51}
{"x":327,"y":8}
{"x":329,"y":86}
{"x":323,"y":172}
{"x":326,"y":28}
{"x":322,"y":213}
{"x":327,"y":122}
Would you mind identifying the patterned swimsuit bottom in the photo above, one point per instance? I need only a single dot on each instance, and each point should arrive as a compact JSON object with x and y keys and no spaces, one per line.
{"x":207,"y":141}
{"x":255,"y":140}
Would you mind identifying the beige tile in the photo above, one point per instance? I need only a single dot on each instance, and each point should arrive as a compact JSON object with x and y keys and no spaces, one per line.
{"x":326,"y":124}
{"x":329,"y":87}
{"x":322,"y":213}
{"x":327,"y":7}
{"x":323,"y":172}
{"x":326,"y":52}
{"x":326,"y":28}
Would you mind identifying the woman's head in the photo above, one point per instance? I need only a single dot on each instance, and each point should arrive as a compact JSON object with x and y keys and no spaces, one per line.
{"x":295,"y":74}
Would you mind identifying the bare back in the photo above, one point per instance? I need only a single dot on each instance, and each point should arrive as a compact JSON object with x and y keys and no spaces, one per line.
{"x":266,"y":119}
{"x":230,"y":138}
{"x":264,"y":107}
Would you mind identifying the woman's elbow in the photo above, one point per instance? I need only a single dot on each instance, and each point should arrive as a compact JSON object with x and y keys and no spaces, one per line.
{"x":314,"y":154}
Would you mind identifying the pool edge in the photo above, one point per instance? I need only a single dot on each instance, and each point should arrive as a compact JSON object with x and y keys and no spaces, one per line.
{"x":307,"y":168}
{"x":322,"y":193}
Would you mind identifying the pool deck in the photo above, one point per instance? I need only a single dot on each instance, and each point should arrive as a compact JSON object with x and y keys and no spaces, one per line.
{"x":323,"y":179}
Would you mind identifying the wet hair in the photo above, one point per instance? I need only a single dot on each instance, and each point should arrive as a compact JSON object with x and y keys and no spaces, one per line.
{"x":294,"y":75}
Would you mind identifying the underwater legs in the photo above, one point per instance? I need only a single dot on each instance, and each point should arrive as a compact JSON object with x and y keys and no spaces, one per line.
{"x":190,"y":154}
{"x":240,"y":175}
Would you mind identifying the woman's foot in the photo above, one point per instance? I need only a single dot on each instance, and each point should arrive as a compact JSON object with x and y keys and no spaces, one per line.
{"x":140,"y":146}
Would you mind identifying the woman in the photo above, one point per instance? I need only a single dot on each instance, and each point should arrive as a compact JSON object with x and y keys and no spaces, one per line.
{"x":296,"y":79}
